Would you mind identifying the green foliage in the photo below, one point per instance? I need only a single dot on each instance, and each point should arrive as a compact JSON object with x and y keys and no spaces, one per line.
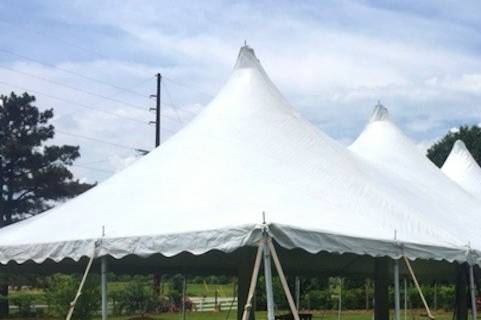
{"x":137,"y":297}
{"x":470,"y":135}
{"x":61,"y":290}
{"x":25,"y":303}
{"x":32,"y":174}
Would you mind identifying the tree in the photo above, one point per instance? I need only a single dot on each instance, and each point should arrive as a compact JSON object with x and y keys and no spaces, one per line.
{"x":33,"y":176}
{"x":470,"y":135}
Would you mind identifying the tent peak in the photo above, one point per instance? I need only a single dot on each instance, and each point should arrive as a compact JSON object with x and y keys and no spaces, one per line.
{"x":379,"y":113}
{"x":247,"y":58}
{"x":459,"y":147}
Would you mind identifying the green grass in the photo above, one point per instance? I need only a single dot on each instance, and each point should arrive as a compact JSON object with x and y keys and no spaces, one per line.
{"x":317,"y":315}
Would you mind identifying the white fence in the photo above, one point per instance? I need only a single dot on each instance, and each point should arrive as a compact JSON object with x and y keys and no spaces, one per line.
{"x":208,"y":303}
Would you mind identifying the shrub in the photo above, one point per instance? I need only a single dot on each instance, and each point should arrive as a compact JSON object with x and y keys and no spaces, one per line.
{"x":61,"y":290}
{"x":136,"y":297}
{"x":25,"y":303}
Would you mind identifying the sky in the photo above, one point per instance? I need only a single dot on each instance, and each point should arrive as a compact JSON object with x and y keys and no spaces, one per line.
{"x":94,"y":62}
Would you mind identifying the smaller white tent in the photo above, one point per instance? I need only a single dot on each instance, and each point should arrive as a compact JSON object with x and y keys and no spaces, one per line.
{"x":439,"y":199}
{"x":461,"y":167}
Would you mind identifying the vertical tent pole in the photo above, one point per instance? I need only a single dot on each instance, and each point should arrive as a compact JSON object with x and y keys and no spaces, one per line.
{"x":184,"y":287}
{"x":397,"y":294}
{"x":268,"y":280}
{"x":282,"y":277}
{"x":473,"y":292}
{"x":103,"y":279}
{"x":298,"y":291}
{"x":252,"y":287}
{"x":339,"y":310}
{"x":405,"y":299}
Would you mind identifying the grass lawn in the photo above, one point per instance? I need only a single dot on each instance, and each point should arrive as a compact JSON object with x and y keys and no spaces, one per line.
{"x":318,"y":315}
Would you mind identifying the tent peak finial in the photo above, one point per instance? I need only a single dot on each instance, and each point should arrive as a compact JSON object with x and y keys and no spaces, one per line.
{"x":247,"y":58}
{"x":379,"y":113}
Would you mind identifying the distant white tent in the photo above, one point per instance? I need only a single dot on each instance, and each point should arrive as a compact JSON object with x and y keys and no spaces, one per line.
{"x":204,"y":189}
{"x":383,"y":145}
{"x":461,"y":167}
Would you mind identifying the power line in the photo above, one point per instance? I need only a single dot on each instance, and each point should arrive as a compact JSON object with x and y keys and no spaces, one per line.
{"x":97,"y":53}
{"x":74,"y":103}
{"x":75,"y":88}
{"x":80,"y":75}
{"x":126,"y":104}
{"x":97,"y":140}
{"x":93,"y":168}
{"x":70,"y":43}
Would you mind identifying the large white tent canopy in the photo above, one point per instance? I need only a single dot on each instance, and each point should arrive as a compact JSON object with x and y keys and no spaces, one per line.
{"x":249,"y":152}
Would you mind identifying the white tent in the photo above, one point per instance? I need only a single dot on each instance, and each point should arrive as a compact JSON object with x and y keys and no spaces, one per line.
{"x":461,"y":167}
{"x":442,"y":201}
{"x":248,"y":152}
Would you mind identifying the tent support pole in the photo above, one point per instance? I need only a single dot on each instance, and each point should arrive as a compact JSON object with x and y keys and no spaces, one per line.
{"x":268,"y":280}
{"x":298,"y":291}
{"x":405,"y":299}
{"x":397,"y":293}
{"x":421,"y":295}
{"x":184,"y":296}
{"x":252,"y":288}
{"x":103,"y":279}
{"x":79,"y":291}
{"x":472,"y":288}
{"x":339,"y":307}
{"x":282,"y":277}
{"x":381,"y":288}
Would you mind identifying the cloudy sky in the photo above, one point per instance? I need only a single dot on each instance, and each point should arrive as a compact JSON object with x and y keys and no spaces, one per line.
{"x":94,"y":62}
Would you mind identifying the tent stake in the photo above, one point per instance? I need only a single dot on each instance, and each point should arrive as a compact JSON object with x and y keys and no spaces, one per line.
{"x":252,"y":287}
{"x":79,"y":291}
{"x":473,"y":292}
{"x":103,"y":279}
{"x":397,"y":294}
{"x":287,"y":292}
{"x":421,"y":295}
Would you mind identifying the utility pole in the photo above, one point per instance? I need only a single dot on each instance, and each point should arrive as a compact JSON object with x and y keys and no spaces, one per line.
{"x":157,"y":110}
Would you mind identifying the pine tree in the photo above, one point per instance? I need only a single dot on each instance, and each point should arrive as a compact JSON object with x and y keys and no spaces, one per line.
{"x":470,"y":135}
{"x":33,"y":175}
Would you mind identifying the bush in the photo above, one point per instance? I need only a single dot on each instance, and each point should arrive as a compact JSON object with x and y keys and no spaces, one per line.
{"x":25,"y":303}
{"x":136,"y":297}
{"x":61,"y":290}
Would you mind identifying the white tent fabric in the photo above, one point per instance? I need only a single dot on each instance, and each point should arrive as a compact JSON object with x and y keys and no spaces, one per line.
{"x":206,"y":188}
{"x":461,"y":167}
{"x":442,"y":201}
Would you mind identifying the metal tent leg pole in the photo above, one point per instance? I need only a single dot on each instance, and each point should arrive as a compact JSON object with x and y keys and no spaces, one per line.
{"x":397,"y":293}
{"x":252,"y":287}
{"x":184,"y":288}
{"x":268,"y":280}
{"x":405,"y":299}
{"x":473,"y":292}
{"x":339,"y":310}
{"x":103,"y":279}
{"x":298,"y":291}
